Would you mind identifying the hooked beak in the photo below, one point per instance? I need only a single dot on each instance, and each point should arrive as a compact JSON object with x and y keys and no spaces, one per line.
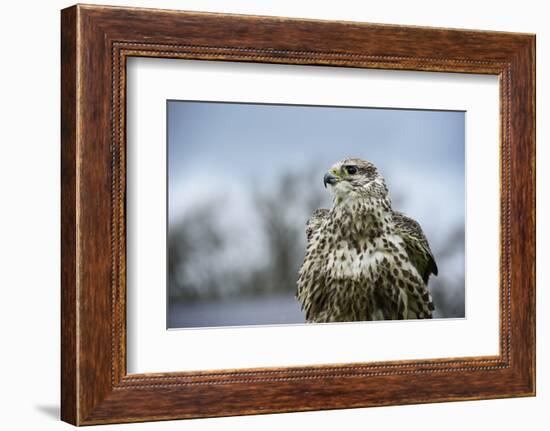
{"x":329,"y":179}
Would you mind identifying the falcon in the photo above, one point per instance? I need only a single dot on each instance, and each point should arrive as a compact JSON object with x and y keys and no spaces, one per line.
{"x":364,"y":260}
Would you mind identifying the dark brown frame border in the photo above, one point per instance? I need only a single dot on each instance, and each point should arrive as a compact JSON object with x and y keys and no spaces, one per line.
{"x":95,"y":43}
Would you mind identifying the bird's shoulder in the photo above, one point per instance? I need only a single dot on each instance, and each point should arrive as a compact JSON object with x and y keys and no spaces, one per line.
{"x":315,"y":221}
{"x":416,"y":244}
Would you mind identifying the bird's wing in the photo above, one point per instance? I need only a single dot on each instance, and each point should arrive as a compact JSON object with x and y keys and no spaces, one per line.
{"x":304,"y":286}
{"x":315,"y":222}
{"x":416,"y":245}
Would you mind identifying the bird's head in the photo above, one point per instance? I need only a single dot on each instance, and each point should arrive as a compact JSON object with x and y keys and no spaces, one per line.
{"x":354,"y":178}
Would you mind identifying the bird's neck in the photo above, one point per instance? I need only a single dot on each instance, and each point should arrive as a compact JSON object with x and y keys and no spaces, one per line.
{"x":370,"y":216}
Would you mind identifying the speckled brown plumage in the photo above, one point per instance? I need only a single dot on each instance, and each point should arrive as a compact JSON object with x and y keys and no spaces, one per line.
{"x":364,"y":261}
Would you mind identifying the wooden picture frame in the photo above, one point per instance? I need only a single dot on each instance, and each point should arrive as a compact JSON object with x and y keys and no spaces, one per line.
{"x":95,"y":43}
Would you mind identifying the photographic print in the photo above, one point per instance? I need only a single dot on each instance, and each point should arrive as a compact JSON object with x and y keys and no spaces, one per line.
{"x":293,"y":214}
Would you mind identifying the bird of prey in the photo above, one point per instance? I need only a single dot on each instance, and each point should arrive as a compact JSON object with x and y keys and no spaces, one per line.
{"x":364,"y":260}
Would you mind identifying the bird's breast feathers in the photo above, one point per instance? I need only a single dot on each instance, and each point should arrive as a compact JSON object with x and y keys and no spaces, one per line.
{"x":366,"y":259}
{"x":357,"y":268}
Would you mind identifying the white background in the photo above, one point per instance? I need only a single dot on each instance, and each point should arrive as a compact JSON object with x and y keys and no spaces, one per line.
{"x":29,"y":224}
{"x":151,"y":348}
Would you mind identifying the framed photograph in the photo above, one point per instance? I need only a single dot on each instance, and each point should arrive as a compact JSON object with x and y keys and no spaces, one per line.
{"x":264,"y":214}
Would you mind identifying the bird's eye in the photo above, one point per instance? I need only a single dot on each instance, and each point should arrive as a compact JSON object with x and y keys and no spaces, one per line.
{"x":351,"y":170}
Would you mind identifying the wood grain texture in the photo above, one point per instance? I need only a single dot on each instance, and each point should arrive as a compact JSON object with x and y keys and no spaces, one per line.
{"x":68,"y":218}
{"x":96,"y":41}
